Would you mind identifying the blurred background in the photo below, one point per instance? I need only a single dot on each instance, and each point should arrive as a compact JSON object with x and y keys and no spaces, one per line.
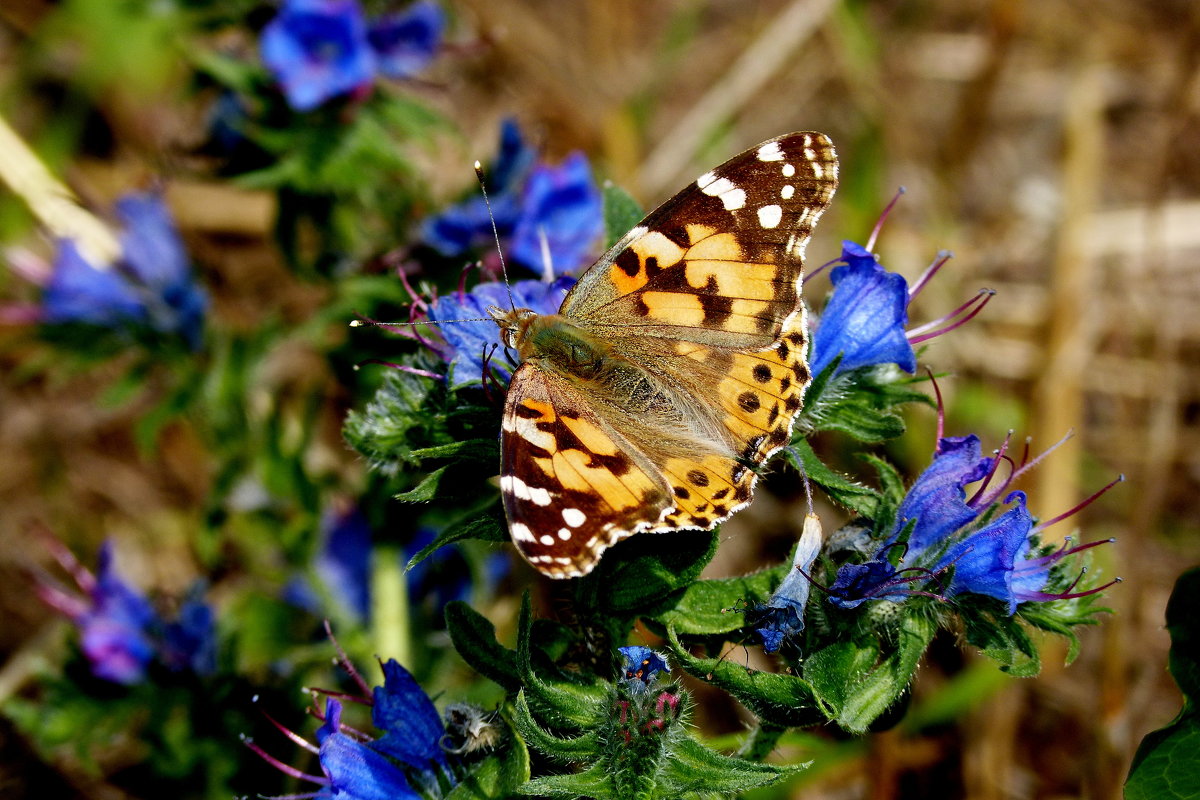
{"x":1054,"y":147}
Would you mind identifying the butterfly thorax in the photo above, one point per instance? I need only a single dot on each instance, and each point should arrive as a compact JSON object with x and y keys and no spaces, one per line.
{"x":554,"y":342}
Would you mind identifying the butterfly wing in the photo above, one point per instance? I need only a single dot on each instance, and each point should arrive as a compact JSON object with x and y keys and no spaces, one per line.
{"x":720,"y":262}
{"x":572,"y":484}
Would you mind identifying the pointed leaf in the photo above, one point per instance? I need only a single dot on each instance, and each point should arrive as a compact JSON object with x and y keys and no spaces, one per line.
{"x":474,"y":638}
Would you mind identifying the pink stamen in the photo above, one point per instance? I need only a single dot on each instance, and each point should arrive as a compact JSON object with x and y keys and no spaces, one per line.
{"x":938,"y":262}
{"x":418,"y":301}
{"x":82,"y":576}
{"x":345,"y":697}
{"x":69,"y":605}
{"x":1064,"y":551}
{"x":879,"y":223}
{"x":20,"y":314}
{"x":819,"y":270}
{"x":941,"y":411}
{"x":402,"y":367}
{"x":917,"y":335}
{"x":1095,"y":496}
{"x":1028,"y":465}
{"x":286,"y":769}
{"x":296,"y":738}
{"x":987,"y":479}
{"x":345,"y":662}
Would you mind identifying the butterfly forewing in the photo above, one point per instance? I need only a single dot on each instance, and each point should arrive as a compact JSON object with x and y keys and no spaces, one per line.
{"x":697,"y":311}
{"x":718,"y":263}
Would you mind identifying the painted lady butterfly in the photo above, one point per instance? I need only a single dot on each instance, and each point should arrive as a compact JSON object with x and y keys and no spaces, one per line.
{"x":674,"y":368}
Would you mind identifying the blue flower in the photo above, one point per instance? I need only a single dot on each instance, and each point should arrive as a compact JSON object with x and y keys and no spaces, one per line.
{"x":320,"y":49}
{"x":114,"y":632}
{"x":528,"y":201}
{"x":354,"y":770}
{"x":564,"y":205}
{"x":120,"y":633}
{"x":992,"y":559}
{"x":405,"y":42}
{"x":151,"y":286}
{"x":781,"y":619}
{"x":406,"y":761}
{"x":470,"y":343}
{"x":189,"y":642}
{"x":865,"y":317}
{"x":640,"y":666}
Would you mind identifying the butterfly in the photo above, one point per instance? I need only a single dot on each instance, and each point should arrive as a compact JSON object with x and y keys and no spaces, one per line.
{"x":673,"y":370}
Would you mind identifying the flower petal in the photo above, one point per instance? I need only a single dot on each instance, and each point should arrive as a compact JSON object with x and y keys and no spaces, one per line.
{"x":411,"y":724}
{"x":984,"y":561}
{"x":865,"y":317}
{"x":937,"y":500}
{"x":565,"y":205}
{"x":317,"y":49}
{"x":407,"y":41}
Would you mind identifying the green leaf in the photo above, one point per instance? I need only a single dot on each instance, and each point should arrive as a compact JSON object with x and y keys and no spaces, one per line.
{"x":474,"y":637}
{"x":1167,"y":762}
{"x":834,"y":670}
{"x":487,"y":527}
{"x":643,"y":570}
{"x":429,"y":488}
{"x":621,"y":213}
{"x":784,"y":700}
{"x":695,"y":769}
{"x":858,"y":498}
{"x":862,"y":422}
{"x":577,"y":749}
{"x":998,"y":636}
{"x":593,"y":783}
{"x":869,"y":697}
{"x":708,"y":607}
{"x":558,"y":704}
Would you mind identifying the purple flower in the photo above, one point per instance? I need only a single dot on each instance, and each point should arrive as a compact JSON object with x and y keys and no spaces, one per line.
{"x":865,"y":319}
{"x":120,"y":632}
{"x":320,"y":49}
{"x":781,"y":619}
{"x":528,"y":201}
{"x":405,"y":42}
{"x":114,"y":632}
{"x":406,"y":761}
{"x":150,"y":286}
{"x":467,"y":345}
{"x":993,"y":559}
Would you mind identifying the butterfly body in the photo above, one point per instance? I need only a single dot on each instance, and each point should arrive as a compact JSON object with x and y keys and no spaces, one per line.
{"x":674,"y":368}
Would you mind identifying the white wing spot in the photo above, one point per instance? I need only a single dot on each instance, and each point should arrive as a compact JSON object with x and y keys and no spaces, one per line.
{"x":561,"y":560}
{"x":770,"y":216}
{"x":789,"y":170}
{"x":731,"y":196}
{"x":810,"y":155}
{"x":807,"y":140}
{"x":547,"y":539}
{"x":564,"y":534}
{"x":521,"y":532}
{"x":787,"y":191}
{"x":771,"y":151}
{"x":574,"y":517}
{"x":523,"y":491}
{"x":818,"y":170}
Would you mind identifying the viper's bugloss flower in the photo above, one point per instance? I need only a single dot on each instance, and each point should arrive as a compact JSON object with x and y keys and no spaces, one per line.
{"x":782,"y":617}
{"x":640,"y":666}
{"x":405,"y":42}
{"x":120,"y":633}
{"x":865,"y":321}
{"x":150,"y":287}
{"x":467,"y":346}
{"x":405,"y":761}
{"x":991,"y":552}
{"x":530,"y":203}
{"x":320,"y":49}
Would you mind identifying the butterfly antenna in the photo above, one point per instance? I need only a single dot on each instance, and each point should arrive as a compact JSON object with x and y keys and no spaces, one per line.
{"x":495,"y":233}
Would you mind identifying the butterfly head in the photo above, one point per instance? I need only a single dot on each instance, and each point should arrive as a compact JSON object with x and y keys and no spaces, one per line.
{"x":513,"y":323}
